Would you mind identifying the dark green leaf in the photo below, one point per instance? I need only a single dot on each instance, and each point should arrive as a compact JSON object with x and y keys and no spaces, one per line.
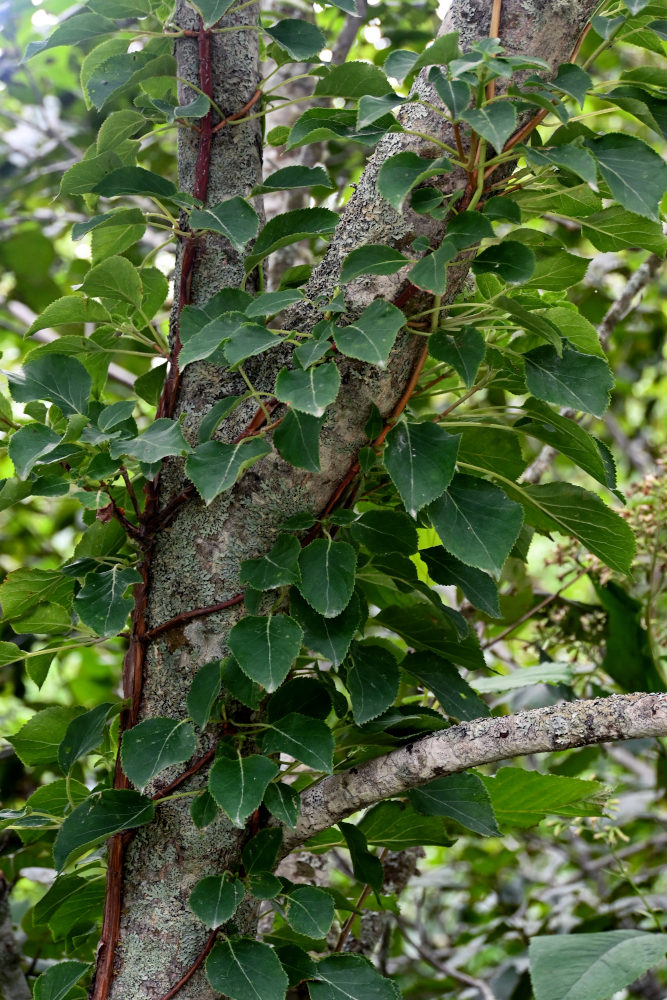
{"x":371,"y":109}
{"x":154,"y":744}
{"x":100,"y":816}
{"x":204,"y":689}
{"x":100,"y":603}
{"x":266,"y":647}
{"x":430,"y":273}
{"x":532,"y":321}
{"x":492,"y":448}
{"x":245,"y":969}
{"x":235,"y":218}
{"x":352,"y":80}
{"x":366,"y":867}
{"x":476,"y":522}
{"x":163,"y":437}
{"x":581,"y":381}
{"x":349,"y":977}
{"x":215,"y":416}
{"x":56,"y":982}
{"x":455,"y":695}
{"x":261,"y":852}
{"x":567,"y":436}
{"x":270,"y":303}
{"x":495,"y":122}
{"x":400,"y":173}
{"x":310,"y":911}
{"x":591,"y":966}
{"x":215,"y":899}
{"x":296,"y":962}
{"x":203,"y":810}
{"x":372,"y":258}
{"x":297,"y":439}
{"x":579,"y":161}
{"x":479,"y":588}
{"x":327,"y":575}
{"x":135,"y":181}
{"x":116,"y":413}
{"x":238,"y":684}
{"x":372,"y":680}
{"x":467,"y":228}
{"x":371,"y":337}
{"x":523,"y":798}
{"x":84,"y":733}
{"x":511,"y":261}
{"x":114,"y":278}
{"x":277,"y":568}
{"x":296,"y":176}
{"x":290,"y":227}
{"x":572,"y":80}
{"x":238,"y":785}
{"x":214,"y":466}
{"x":385,"y":531}
{"x":628,"y":657}
{"x":299,"y":37}
{"x":38,"y":741}
{"x":420,"y":459}
{"x":615,"y":229}
{"x":69,"y":309}
{"x":29,"y":444}
{"x":635,"y":173}
{"x":397,"y":826}
{"x":212,"y":10}
{"x":283,"y":802}
{"x":56,"y":378}
{"x":463,"y":350}
{"x":330,"y":637}
{"x":454,"y":94}
{"x":302,"y":737}
{"x":461,"y":797}
{"x":309,"y":391}
{"x":73,"y":31}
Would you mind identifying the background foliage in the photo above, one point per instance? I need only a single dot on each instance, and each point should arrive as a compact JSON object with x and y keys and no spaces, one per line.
{"x":495,"y":875}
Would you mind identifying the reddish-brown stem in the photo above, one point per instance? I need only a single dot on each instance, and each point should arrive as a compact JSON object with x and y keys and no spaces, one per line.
{"x":177,"y":782}
{"x":240,"y":113}
{"x":193,"y":968}
{"x":459,"y":144}
{"x":494,"y":32}
{"x":187,"y":616}
{"x":130,"y":490}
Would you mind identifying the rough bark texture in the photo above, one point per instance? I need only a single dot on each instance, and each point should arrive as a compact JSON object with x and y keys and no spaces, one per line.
{"x":13,"y":984}
{"x":556,"y":727}
{"x":196,"y":558}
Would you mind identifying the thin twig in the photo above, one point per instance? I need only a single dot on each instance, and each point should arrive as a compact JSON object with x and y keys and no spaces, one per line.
{"x":210,"y":941}
{"x":187,"y":616}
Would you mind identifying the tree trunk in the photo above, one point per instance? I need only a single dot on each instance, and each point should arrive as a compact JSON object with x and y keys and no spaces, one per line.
{"x":195,"y":559}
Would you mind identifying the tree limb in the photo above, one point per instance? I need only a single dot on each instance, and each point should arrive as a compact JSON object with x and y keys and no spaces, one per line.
{"x":556,"y":727}
{"x":13,"y":985}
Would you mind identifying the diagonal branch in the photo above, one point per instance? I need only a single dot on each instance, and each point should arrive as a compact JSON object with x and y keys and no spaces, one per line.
{"x":556,"y":727}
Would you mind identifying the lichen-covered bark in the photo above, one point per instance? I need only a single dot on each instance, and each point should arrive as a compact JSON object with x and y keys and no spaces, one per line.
{"x":13,"y":984}
{"x":196,"y":558}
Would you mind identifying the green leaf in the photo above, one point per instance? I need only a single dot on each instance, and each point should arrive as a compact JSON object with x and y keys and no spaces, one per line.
{"x":327,"y":575}
{"x":203,"y":810}
{"x":83,"y":734}
{"x":56,"y":982}
{"x":385,"y":531}
{"x":270,"y":303}
{"x":455,"y":695}
{"x":397,"y":826}
{"x":73,"y":31}
{"x":467,"y":228}
{"x":580,"y":381}
{"x":29,"y":444}
{"x":615,"y":229}
{"x":420,"y":459}
{"x":534,"y":322}
{"x":372,"y":258}
{"x":579,"y":161}
{"x":371,"y":109}
{"x":260,"y":854}
{"x":371,"y":337}
{"x":201,"y":338}
{"x":135,"y":181}
{"x":163,"y":437}
{"x":38,"y":741}
{"x":215,"y":899}
{"x":463,"y":350}
{"x":82,"y":177}
{"x":555,"y":271}
{"x":400,"y":173}
{"x":56,"y":378}
{"x":302,"y":737}
{"x":372,"y":680}
{"x":523,"y":798}
{"x":476,"y":522}
{"x":116,"y":413}
{"x":567,"y":436}
{"x":330,"y":637}
{"x":430,"y":273}
{"x":310,"y":911}
{"x":245,"y":969}
{"x":235,"y":218}
{"x":495,"y":122}
{"x":591,"y":966}
{"x":212,"y":10}
{"x":461,"y":797}
{"x":349,"y":977}
{"x":493,"y":449}
{"x":100,"y":603}
{"x":247,"y":341}
{"x":204,"y":689}
{"x":100,"y":816}
{"x":628,"y":657}
{"x":454,"y":94}
{"x":542,"y":673}
{"x":283,"y":802}
{"x":510,"y":260}
{"x":299,"y":37}
{"x":289,"y":178}
{"x":278,"y":568}
{"x":572,"y":80}
{"x":70,"y":309}
{"x":214,"y":467}
{"x":266,"y":647}
{"x":574,"y":511}
{"x":239,"y":684}
{"x":478,"y":587}
{"x":290,"y":227}
{"x":440,"y":52}
{"x":352,"y":80}
{"x":365,"y":866}
{"x":215,"y":416}
{"x":308,"y":391}
{"x":154,"y":744}
{"x":297,"y":439}
{"x":114,"y":278}
{"x":238,"y":785}
{"x":117,"y":127}
{"x":193,"y":109}
{"x":635,"y":173}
